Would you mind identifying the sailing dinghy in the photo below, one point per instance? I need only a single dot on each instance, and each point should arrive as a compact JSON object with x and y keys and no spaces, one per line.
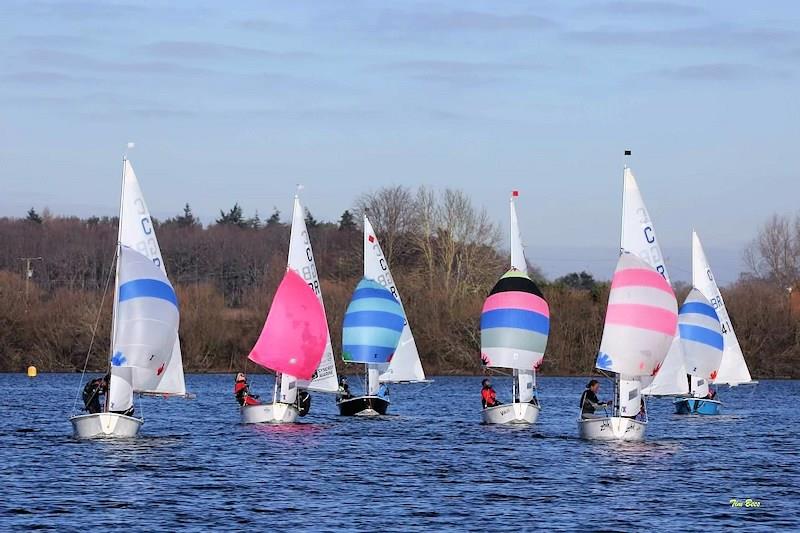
{"x":376,"y":333}
{"x":640,"y":325}
{"x":701,"y":336}
{"x":515,"y":322}
{"x":296,"y":317}
{"x":145,"y":355}
{"x":731,"y":369}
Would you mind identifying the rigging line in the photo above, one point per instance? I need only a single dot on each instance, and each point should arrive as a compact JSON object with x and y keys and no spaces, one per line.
{"x":141,"y":408}
{"x":94,"y":331}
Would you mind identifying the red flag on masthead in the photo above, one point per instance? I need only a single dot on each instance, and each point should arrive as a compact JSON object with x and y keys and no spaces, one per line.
{"x":514,"y":193}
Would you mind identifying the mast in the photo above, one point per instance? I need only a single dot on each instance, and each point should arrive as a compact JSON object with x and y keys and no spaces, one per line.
{"x":622,"y":231}
{"x":373,"y":370}
{"x":617,"y":387}
{"x":511,"y":229}
{"x":116,"y":270}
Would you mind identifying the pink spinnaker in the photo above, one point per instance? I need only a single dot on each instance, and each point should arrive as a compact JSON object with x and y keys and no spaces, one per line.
{"x":294,"y":335}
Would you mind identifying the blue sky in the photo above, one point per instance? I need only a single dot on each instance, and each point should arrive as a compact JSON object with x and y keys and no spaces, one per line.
{"x":239,"y":101}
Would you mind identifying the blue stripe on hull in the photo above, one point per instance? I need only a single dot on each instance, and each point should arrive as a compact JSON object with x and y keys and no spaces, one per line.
{"x":694,"y":406}
{"x":147,"y":288}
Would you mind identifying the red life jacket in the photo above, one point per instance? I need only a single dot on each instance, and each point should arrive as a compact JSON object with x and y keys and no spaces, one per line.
{"x":489,"y":396}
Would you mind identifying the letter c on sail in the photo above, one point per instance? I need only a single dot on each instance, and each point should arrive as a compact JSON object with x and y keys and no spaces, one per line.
{"x":648,"y":234}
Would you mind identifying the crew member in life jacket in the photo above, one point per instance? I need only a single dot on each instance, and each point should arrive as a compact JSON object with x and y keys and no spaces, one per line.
{"x":242,"y":391}
{"x":344,"y":390}
{"x":92,"y":392}
{"x":488,"y":395}
{"x":590,"y":401}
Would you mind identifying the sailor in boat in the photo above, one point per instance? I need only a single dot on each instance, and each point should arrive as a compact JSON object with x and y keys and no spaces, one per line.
{"x":488,"y":395}
{"x":344,"y":390}
{"x":92,"y":392}
{"x":589,"y":400}
{"x":242,"y":391}
{"x":383,"y":391}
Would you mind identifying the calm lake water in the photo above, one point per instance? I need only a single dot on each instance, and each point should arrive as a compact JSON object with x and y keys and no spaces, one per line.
{"x":429,"y":466}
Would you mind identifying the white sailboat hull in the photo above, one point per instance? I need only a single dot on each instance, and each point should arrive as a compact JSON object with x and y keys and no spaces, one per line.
{"x":105,"y":425}
{"x":511,"y":413}
{"x":612,"y":428}
{"x":270,"y":413}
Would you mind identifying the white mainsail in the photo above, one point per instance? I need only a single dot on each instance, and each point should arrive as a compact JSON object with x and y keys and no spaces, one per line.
{"x":136,"y":231}
{"x":301,"y":260}
{"x":639,"y":238}
{"x":405,"y":365}
{"x":733,"y":368}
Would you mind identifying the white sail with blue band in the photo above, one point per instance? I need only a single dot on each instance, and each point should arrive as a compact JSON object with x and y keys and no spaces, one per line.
{"x":146,"y":328}
{"x":701,"y":336}
{"x":136,"y":231}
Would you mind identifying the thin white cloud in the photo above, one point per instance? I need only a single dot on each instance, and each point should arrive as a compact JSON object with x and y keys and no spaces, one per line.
{"x":211,"y":50}
{"x":722,"y":72}
{"x":630,"y":7}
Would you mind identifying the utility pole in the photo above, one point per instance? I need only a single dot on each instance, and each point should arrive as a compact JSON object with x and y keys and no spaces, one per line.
{"x":28,"y":275}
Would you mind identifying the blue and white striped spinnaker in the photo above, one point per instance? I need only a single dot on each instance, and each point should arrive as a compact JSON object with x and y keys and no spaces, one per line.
{"x":701,"y":336}
{"x":373,"y":323}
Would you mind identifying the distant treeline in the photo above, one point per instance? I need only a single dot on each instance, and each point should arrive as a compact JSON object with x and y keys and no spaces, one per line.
{"x":442,"y":251}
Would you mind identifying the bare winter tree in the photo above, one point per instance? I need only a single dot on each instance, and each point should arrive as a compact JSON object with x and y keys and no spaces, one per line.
{"x":391,"y":212}
{"x":774,"y":255}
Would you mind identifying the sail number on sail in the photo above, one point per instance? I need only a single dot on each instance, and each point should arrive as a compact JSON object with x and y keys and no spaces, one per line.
{"x":148,"y":246}
{"x":385,"y":279}
{"x":653,"y":254}
{"x":309,"y":271}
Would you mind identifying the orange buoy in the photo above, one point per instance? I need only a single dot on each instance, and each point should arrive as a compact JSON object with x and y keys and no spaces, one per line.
{"x":32,"y":371}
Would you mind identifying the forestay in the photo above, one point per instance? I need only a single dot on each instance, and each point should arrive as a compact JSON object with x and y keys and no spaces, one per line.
{"x":405,"y":366}
{"x":146,"y":327}
{"x":136,"y":231}
{"x":295,"y":332}
{"x":372,"y":325}
{"x":701,"y":336}
{"x":639,"y":238}
{"x":515,"y":323}
{"x":733,"y":368}
{"x":301,"y":260}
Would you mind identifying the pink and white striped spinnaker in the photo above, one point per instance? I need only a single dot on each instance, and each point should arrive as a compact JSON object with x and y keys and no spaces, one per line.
{"x":641,"y":320}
